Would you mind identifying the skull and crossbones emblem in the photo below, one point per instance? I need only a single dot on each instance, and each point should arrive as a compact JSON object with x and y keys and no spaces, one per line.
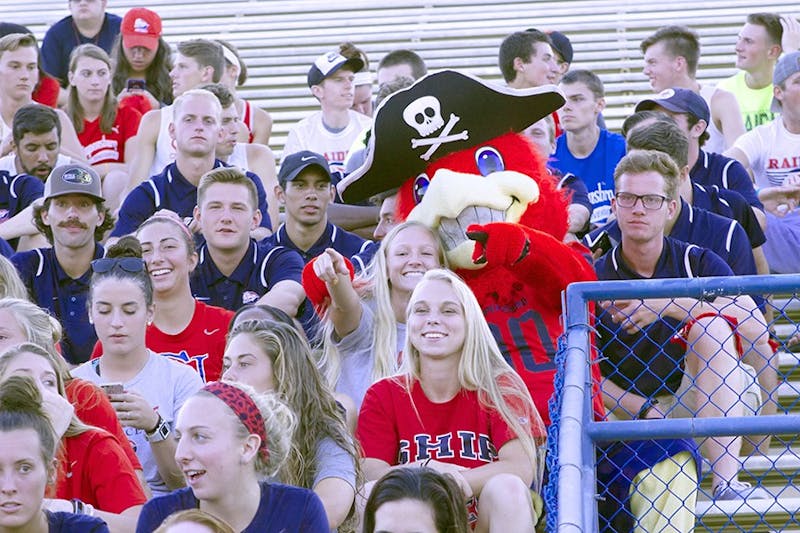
{"x":425,"y":115}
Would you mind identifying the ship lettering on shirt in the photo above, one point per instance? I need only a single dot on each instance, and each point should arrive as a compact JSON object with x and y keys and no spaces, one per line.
{"x":455,"y":445}
{"x":195,"y":361}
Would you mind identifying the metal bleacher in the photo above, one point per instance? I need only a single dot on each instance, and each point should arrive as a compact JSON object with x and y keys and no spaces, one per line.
{"x":280,"y":38}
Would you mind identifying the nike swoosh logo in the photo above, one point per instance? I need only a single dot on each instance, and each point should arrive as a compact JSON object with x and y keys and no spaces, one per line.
{"x":307,"y":158}
{"x":210,"y":332}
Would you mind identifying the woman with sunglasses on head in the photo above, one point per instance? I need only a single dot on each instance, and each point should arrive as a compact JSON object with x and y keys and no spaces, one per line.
{"x":27,"y":454}
{"x":365,"y":322}
{"x":146,"y":389}
{"x":457,"y":407}
{"x":230,"y":439}
{"x":183,"y":328}
{"x":273,"y":357}
{"x":93,"y":475}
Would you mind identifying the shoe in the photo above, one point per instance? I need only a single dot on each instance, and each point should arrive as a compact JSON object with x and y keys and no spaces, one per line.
{"x":738,"y":490}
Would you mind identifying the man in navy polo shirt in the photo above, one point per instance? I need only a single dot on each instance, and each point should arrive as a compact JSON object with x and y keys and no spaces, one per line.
{"x":234,"y":269}
{"x":305,"y":190}
{"x":195,"y":131}
{"x":692,"y":114}
{"x":73,"y":217}
{"x":662,"y":357}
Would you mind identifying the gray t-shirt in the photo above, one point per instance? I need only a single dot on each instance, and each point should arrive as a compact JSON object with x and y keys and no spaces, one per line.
{"x":357,"y":355}
{"x":166,"y":384}
{"x":333,"y":461}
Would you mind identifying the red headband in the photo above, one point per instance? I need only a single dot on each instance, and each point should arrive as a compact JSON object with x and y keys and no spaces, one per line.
{"x":245,"y":408}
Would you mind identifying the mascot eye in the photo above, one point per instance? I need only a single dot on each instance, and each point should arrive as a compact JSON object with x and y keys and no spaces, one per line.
{"x":489,"y":160}
{"x":420,"y":186}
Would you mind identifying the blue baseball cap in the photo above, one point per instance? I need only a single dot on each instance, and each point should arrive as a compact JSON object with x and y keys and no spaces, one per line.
{"x":294,"y":164}
{"x":326,"y":64}
{"x":678,"y":100}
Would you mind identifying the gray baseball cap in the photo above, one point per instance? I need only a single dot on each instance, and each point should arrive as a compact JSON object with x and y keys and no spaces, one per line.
{"x":787,"y":65}
{"x":73,"y":179}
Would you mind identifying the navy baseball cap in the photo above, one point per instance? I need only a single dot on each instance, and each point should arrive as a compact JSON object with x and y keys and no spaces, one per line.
{"x":295,"y":163}
{"x":678,"y":100}
{"x":327,"y":64}
{"x":562,"y":45}
{"x":786,"y":66}
{"x":73,"y":179}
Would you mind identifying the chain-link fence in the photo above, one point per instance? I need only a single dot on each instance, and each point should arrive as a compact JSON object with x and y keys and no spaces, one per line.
{"x":697,"y":380}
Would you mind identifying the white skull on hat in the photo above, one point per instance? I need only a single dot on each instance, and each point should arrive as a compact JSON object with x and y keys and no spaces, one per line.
{"x":424,"y":115}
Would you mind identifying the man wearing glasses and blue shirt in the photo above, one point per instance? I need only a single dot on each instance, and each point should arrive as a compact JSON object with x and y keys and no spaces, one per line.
{"x":73,"y":218}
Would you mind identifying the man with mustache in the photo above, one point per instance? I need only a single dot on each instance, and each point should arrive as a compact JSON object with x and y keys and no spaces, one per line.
{"x":73,"y":218}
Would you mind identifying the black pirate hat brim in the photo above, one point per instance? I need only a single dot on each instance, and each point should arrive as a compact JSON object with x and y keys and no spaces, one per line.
{"x":406,"y":129}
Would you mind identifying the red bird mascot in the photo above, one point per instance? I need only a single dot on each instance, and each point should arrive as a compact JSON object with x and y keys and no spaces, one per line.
{"x":450,"y":143}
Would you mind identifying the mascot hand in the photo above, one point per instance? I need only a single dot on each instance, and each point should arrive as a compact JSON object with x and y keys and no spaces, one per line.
{"x":498,"y":243}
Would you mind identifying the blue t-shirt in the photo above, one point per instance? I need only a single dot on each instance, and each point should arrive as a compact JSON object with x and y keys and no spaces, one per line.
{"x":5,"y":249}
{"x":63,"y":37}
{"x":283,"y":508}
{"x":596,"y":170}
{"x":648,"y":362}
{"x":53,"y":289}
{"x":350,"y":245}
{"x":17,"y":193}
{"x":261,"y":268}
{"x":170,"y":190}
{"x":726,"y":173}
{"x":74,"y":523}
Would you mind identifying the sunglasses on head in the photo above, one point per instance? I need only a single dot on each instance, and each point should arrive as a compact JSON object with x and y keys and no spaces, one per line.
{"x":133,"y":265}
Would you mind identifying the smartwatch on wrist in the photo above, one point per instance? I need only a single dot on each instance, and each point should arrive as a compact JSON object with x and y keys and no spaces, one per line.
{"x":160,"y":433}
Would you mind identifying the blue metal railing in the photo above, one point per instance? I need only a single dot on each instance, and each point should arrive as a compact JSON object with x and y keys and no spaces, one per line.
{"x":576,"y":509}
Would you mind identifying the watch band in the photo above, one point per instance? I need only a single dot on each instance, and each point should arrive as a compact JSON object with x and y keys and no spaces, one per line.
{"x":160,"y":433}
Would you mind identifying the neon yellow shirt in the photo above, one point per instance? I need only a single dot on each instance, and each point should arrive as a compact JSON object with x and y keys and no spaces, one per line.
{"x":754,"y":103}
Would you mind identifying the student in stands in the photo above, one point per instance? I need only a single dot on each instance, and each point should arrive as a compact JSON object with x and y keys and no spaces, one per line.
{"x":648,"y":374}
{"x":400,"y":64}
{"x":250,"y":156}
{"x":74,"y":219}
{"x":273,"y":357}
{"x":526,"y":60}
{"x":195,"y":132}
{"x":19,"y":63}
{"x":455,"y":387}
{"x":758,"y":46}
{"x":257,"y":123}
{"x":770,"y":152}
{"x":46,"y":92}
{"x":365,"y":322}
{"x":234,"y":268}
{"x":416,"y":499}
{"x":671,"y":55}
{"x":146,"y":389}
{"x":92,"y":466}
{"x":105,"y":129}
{"x":230,"y":440}
{"x":585,"y":149}
{"x":193,"y":520}
{"x":88,"y":23}
{"x":197,"y":61}
{"x":141,"y":53}
{"x":27,"y":438}
{"x":331,"y":130}
{"x":362,"y":82}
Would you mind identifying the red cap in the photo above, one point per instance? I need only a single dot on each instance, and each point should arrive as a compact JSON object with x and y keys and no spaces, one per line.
{"x":141,"y":27}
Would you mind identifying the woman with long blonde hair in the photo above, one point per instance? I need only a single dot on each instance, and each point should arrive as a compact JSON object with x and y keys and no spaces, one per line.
{"x":456,"y":407}
{"x":365,"y":324}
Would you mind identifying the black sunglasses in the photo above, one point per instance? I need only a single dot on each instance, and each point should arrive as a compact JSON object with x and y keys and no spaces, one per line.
{"x":133,"y":265}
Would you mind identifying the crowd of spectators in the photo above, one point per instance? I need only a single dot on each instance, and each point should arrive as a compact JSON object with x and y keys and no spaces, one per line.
{"x":192,"y":334}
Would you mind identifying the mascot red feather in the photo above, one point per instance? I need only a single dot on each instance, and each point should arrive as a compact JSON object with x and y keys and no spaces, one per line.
{"x":450,"y":143}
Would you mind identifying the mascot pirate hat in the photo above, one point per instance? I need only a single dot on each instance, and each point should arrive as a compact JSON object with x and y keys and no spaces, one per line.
{"x":435,"y":117}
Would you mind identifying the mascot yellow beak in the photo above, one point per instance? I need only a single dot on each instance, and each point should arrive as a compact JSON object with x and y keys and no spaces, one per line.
{"x":455,"y":200}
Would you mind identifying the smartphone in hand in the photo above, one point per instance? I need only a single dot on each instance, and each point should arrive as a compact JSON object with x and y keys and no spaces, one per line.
{"x":135,"y":84}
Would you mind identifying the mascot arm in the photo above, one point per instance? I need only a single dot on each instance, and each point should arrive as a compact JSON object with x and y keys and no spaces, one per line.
{"x":530,"y":254}
{"x":322,"y":294}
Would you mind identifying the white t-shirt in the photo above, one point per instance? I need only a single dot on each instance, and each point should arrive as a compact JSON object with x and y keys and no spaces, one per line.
{"x":311,"y":134}
{"x":165,"y":145}
{"x":716,"y":140}
{"x":773,"y":152}
{"x":238,"y":157}
{"x":166,"y":384}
